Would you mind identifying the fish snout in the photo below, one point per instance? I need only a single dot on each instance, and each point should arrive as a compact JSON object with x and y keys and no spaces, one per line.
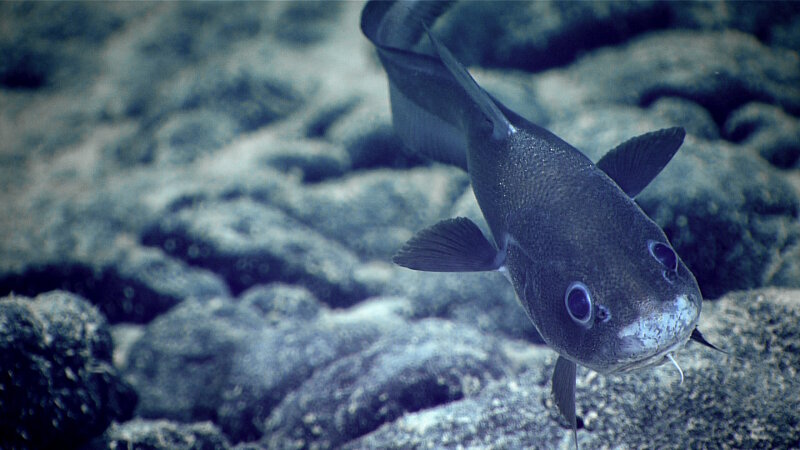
{"x":649,"y":338}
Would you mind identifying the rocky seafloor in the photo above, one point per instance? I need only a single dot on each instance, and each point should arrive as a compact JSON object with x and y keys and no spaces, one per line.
{"x":200,"y":202}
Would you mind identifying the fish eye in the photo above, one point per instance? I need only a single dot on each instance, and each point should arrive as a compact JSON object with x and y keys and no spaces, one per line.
{"x":579,"y":303}
{"x":664,"y":254}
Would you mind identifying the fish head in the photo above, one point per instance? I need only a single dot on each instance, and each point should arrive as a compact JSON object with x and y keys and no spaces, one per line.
{"x":612,"y":300}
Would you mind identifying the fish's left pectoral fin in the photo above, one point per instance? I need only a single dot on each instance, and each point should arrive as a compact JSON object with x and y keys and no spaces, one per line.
{"x":564,"y":392}
{"x":637,"y":161}
{"x":452,"y":245}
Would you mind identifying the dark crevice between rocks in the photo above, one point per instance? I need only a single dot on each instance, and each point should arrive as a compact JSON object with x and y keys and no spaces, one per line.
{"x":191,"y":200}
{"x":719,"y":105}
{"x":557,"y":49}
{"x":424,"y":395}
{"x":382,"y":148}
{"x":118,"y":298}
{"x":23,"y":70}
{"x":768,"y":130}
{"x":784,"y":156}
{"x":319,"y":125}
{"x":565,"y":48}
{"x":415,"y":397}
{"x":741,"y":132}
{"x":310,"y":169}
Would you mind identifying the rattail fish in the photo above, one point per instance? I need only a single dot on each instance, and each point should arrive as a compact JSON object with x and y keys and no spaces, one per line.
{"x":597,"y":277}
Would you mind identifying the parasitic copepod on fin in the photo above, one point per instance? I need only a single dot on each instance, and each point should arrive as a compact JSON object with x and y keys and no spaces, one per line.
{"x":596,"y":276}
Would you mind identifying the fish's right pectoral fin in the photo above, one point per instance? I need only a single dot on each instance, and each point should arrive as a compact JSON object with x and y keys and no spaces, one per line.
{"x":564,"y":392}
{"x":452,"y":245}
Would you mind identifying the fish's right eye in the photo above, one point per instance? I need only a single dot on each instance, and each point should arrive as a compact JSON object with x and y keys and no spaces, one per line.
{"x":578,"y":303}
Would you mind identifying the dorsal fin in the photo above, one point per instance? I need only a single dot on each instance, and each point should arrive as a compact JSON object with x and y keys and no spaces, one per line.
{"x":636,"y":162}
{"x":501,"y":127}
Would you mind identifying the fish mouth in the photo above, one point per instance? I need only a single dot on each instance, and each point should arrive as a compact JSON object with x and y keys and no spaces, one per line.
{"x":649,"y":341}
{"x":658,"y":358}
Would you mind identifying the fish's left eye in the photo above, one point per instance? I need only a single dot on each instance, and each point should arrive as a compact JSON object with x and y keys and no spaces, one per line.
{"x":578,"y":303}
{"x":664,"y":254}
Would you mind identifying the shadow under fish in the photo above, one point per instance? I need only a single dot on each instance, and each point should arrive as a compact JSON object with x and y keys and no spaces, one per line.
{"x":596,"y":276}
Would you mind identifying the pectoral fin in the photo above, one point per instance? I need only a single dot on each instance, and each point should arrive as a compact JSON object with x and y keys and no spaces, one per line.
{"x":636,"y":162}
{"x":452,"y":245}
{"x":564,"y":392}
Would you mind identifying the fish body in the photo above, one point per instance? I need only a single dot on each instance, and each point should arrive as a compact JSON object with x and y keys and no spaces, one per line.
{"x":596,"y":276}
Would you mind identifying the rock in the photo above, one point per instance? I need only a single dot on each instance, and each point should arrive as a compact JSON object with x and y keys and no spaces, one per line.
{"x":203,"y":335}
{"x":144,"y":283}
{"x":352,"y":209}
{"x":720,"y":71}
{"x":173,"y":38}
{"x":758,"y":384}
{"x":39,"y":45}
{"x":280,"y":302}
{"x":252,"y":95}
{"x":506,"y":414}
{"x":161,"y":435}
{"x":311,"y":161}
{"x":205,"y":108}
{"x":135,"y":285}
{"x":188,"y":146}
{"x":58,"y":386}
{"x":417,"y":367}
{"x":732,"y":231}
{"x":647,"y":408}
{"x":124,"y":336}
{"x":554,"y":33}
{"x":49,"y":63}
{"x":277,"y":361}
{"x":786,"y":35}
{"x":763,"y":20}
{"x":241,"y":366}
{"x":482,"y":300}
{"x":248,"y":243}
{"x":24,"y":68}
{"x":687,"y":114}
{"x":366,"y":132}
{"x":768,"y":130}
{"x":187,"y":136}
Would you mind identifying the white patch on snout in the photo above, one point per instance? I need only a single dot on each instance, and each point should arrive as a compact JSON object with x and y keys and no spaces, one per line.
{"x":653,"y":333}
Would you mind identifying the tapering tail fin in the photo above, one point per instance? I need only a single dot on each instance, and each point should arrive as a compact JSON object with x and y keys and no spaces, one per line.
{"x":399,"y":24}
{"x":434,"y":110}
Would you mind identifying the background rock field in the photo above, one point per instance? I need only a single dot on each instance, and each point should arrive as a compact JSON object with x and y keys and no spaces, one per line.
{"x":200,"y":202}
